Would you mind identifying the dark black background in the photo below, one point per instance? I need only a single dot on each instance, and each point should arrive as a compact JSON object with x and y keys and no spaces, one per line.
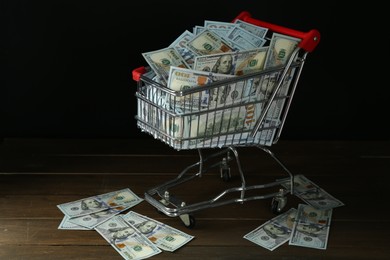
{"x":66,"y":65}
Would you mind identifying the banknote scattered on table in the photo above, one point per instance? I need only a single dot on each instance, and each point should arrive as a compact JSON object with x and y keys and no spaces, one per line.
{"x":116,"y":199}
{"x":88,"y":212}
{"x":274,"y":232}
{"x":132,"y":235}
{"x":311,"y":227}
{"x":305,"y":226}
{"x":312,"y":194}
{"x":165,"y":237}
{"x":91,"y":220}
{"x":126,"y":239}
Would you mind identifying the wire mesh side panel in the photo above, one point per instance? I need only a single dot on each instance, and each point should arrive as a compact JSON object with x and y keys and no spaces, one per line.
{"x":220,"y":114}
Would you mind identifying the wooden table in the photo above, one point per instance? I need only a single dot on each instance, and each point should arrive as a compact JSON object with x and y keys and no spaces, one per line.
{"x":38,"y":174}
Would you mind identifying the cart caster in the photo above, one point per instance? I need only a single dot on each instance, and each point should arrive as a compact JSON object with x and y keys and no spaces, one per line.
{"x":188,"y":220}
{"x":278,"y":202}
{"x":164,"y":201}
{"x":225,"y":171}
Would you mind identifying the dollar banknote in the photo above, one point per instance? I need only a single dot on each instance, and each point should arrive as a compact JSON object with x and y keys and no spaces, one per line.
{"x":183,"y":79}
{"x":207,"y":42}
{"x":218,"y":126}
{"x":301,"y":184}
{"x":180,"y":44}
{"x":254,"y":29}
{"x":280,"y":49}
{"x":236,"y":63}
{"x":320,"y":199}
{"x":312,"y":194}
{"x":311,"y":227}
{"x":126,"y":239}
{"x":264,"y":137}
{"x":86,"y":206}
{"x":164,"y":236}
{"x":266,"y":85}
{"x":162,"y":60}
{"x":220,"y":28}
{"x":255,"y":89}
{"x":198,"y":29}
{"x":275,"y":232}
{"x":65,"y":224}
{"x":94,"y":219}
{"x":245,"y":38}
{"x":190,"y":132}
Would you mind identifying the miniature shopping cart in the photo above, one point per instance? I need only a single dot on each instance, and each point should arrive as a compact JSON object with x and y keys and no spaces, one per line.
{"x":242,"y":111}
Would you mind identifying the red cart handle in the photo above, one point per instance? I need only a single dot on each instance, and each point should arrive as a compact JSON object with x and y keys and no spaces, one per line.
{"x":309,"y":40}
{"x":137,"y":73}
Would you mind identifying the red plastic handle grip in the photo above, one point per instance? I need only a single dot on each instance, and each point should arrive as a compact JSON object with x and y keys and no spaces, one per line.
{"x":309,"y":40}
{"x":137,"y":73}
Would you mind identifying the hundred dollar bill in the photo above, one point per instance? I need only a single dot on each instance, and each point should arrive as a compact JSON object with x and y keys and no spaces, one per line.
{"x":153,"y":116}
{"x":237,"y":93}
{"x":221,"y":122}
{"x":198,"y":29}
{"x":301,"y":184}
{"x":274,"y":232}
{"x":254,"y":29}
{"x":280,"y":49}
{"x":311,"y":227}
{"x":320,"y":199}
{"x":126,"y":239}
{"x":94,"y":219}
{"x":234,"y":63}
{"x":180,"y":44}
{"x":161,"y":61}
{"x":242,"y":137}
{"x":236,"y":45}
{"x":164,"y":236}
{"x":86,"y":206}
{"x":312,"y":194}
{"x":183,"y":79}
{"x":65,"y":224}
{"x":245,"y":38}
{"x":229,"y":125}
{"x":207,"y":42}
{"x":266,"y":83}
{"x":220,"y":28}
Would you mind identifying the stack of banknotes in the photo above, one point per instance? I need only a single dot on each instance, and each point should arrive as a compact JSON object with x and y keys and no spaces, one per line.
{"x":132,"y":235}
{"x":217,"y":51}
{"x":307,"y":226}
{"x":241,"y":46}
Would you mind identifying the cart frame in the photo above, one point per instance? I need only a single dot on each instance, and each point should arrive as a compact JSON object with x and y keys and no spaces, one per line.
{"x":162,"y":110}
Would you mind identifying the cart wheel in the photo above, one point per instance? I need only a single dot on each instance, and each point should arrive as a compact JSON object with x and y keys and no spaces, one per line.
{"x":278,"y":204}
{"x":188,"y":220}
{"x":225,"y":174}
{"x":274,"y":206}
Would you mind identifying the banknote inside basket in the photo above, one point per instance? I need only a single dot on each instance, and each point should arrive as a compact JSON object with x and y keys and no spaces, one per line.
{"x":201,"y":111}
{"x":219,"y":115}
